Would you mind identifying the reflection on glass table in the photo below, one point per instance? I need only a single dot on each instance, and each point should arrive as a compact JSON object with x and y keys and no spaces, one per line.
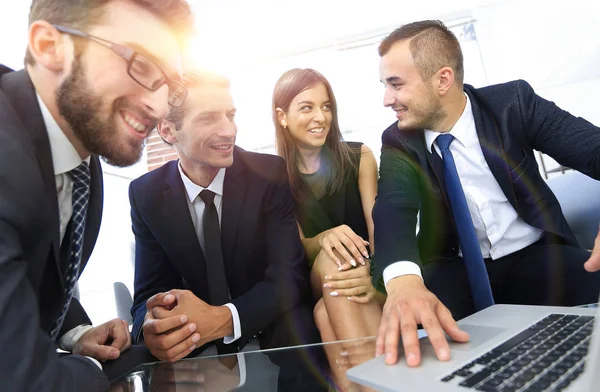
{"x":295,"y":368}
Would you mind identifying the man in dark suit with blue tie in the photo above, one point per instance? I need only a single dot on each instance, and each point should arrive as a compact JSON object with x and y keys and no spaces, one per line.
{"x":218,"y":258}
{"x":490,"y":229}
{"x":80,"y":96}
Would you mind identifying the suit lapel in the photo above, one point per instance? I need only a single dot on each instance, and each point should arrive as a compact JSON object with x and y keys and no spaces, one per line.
{"x":437,"y":165}
{"x":175,"y":210}
{"x":19,"y":89}
{"x":491,"y":146}
{"x":94,"y":211}
{"x":234,"y":189}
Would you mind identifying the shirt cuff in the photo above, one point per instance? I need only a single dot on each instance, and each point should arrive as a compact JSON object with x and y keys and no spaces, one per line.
{"x":242,"y":366}
{"x":95,"y":361}
{"x":400,"y":268}
{"x":68,"y":340}
{"x":237,"y":326}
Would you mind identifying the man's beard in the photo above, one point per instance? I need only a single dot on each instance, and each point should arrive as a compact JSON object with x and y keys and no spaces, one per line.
{"x":82,"y":111}
{"x":428,"y":115}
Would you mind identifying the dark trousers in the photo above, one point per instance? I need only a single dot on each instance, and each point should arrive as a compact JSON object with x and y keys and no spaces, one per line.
{"x":301,"y":369}
{"x":547,"y":272}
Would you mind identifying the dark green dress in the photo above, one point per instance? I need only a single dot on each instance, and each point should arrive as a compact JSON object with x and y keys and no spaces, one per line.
{"x":322,"y":212}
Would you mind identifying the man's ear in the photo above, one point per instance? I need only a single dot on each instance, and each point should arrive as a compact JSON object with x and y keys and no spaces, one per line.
{"x":444,"y":80}
{"x":281,"y":117}
{"x":47,"y":45}
{"x":166,"y":130}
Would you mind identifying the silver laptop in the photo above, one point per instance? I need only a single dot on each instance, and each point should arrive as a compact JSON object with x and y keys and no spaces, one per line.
{"x":512,"y":348}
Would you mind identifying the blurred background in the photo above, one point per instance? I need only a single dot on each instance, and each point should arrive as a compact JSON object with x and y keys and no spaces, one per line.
{"x":555,"y":46}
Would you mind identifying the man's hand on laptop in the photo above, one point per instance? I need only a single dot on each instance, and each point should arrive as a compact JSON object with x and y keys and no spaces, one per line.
{"x":593,"y":263}
{"x":410,"y":303}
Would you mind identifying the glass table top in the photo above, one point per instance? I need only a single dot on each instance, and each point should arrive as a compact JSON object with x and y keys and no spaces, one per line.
{"x":299,"y":368}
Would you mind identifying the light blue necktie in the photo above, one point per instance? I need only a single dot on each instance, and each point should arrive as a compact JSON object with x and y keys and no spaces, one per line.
{"x":481,"y":290}
{"x":81,"y":195}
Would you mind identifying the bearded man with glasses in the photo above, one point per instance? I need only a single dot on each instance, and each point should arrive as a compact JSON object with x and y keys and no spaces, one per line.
{"x":99,"y":75}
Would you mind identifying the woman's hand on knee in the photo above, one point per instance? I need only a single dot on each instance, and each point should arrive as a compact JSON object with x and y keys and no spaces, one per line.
{"x":350,"y":246}
{"x":354,"y":284}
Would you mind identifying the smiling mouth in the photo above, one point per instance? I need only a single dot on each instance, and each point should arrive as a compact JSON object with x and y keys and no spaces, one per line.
{"x":135,"y":124}
{"x":316,"y":131}
{"x":223,"y":147}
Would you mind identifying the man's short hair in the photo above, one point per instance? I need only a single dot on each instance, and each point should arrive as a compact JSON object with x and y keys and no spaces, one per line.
{"x":80,"y":14}
{"x":194,"y":79}
{"x":432,"y":45}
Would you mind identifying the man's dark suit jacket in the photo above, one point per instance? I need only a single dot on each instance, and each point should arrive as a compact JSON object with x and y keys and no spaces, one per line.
{"x":511,"y":122}
{"x":32,"y":263}
{"x":263,"y":255}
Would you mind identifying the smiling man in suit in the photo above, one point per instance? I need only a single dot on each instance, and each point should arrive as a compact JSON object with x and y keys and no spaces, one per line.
{"x":82,"y":95}
{"x":490,"y":228}
{"x":218,"y":257}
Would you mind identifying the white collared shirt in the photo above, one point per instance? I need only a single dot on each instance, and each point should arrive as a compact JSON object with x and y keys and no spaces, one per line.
{"x":196,"y":207}
{"x":64,"y":159}
{"x":499,"y":228}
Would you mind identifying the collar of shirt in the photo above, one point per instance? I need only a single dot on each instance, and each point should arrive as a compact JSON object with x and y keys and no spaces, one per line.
{"x":193,"y":190}
{"x":64,"y":156}
{"x":464,"y":130}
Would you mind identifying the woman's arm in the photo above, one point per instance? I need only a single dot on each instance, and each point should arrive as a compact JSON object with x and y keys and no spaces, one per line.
{"x":367,"y":187}
{"x":312,"y":247}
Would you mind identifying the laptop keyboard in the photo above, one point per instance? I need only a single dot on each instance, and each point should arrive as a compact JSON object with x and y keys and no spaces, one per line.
{"x":547,"y":356}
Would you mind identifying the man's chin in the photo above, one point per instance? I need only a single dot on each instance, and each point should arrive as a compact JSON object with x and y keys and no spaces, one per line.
{"x":407,"y":126}
{"x":122,"y":158}
{"x":222,"y":162}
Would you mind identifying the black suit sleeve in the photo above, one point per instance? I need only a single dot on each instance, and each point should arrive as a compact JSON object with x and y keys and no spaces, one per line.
{"x":396,"y":208}
{"x":75,"y":317}
{"x":29,"y":361}
{"x":285,"y":279}
{"x":571,"y":141}
{"x":154,"y":273}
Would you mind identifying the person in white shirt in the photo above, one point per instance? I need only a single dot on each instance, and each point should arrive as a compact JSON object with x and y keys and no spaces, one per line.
{"x":490,"y":229}
{"x":217,"y":244}
{"x":94,"y":85}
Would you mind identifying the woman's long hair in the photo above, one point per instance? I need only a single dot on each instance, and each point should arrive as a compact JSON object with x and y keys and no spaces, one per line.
{"x":336,"y":161}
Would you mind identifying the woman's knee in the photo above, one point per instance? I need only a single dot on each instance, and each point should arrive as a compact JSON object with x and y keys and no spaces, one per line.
{"x":324,"y":264}
{"x":320,"y":314}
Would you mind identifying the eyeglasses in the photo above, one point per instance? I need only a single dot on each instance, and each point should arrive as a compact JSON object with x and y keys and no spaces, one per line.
{"x":144,"y":71}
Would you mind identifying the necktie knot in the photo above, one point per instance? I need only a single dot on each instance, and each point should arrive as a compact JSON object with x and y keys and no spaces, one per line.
{"x":444,"y":140}
{"x":81,"y":175}
{"x":207,"y":197}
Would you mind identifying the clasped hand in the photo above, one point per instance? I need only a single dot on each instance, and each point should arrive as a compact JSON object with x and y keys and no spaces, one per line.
{"x":177,"y":322}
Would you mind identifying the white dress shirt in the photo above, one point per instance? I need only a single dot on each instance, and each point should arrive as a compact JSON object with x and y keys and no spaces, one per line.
{"x":64,"y":159}
{"x":498,"y":227}
{"x":196,"y":207}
